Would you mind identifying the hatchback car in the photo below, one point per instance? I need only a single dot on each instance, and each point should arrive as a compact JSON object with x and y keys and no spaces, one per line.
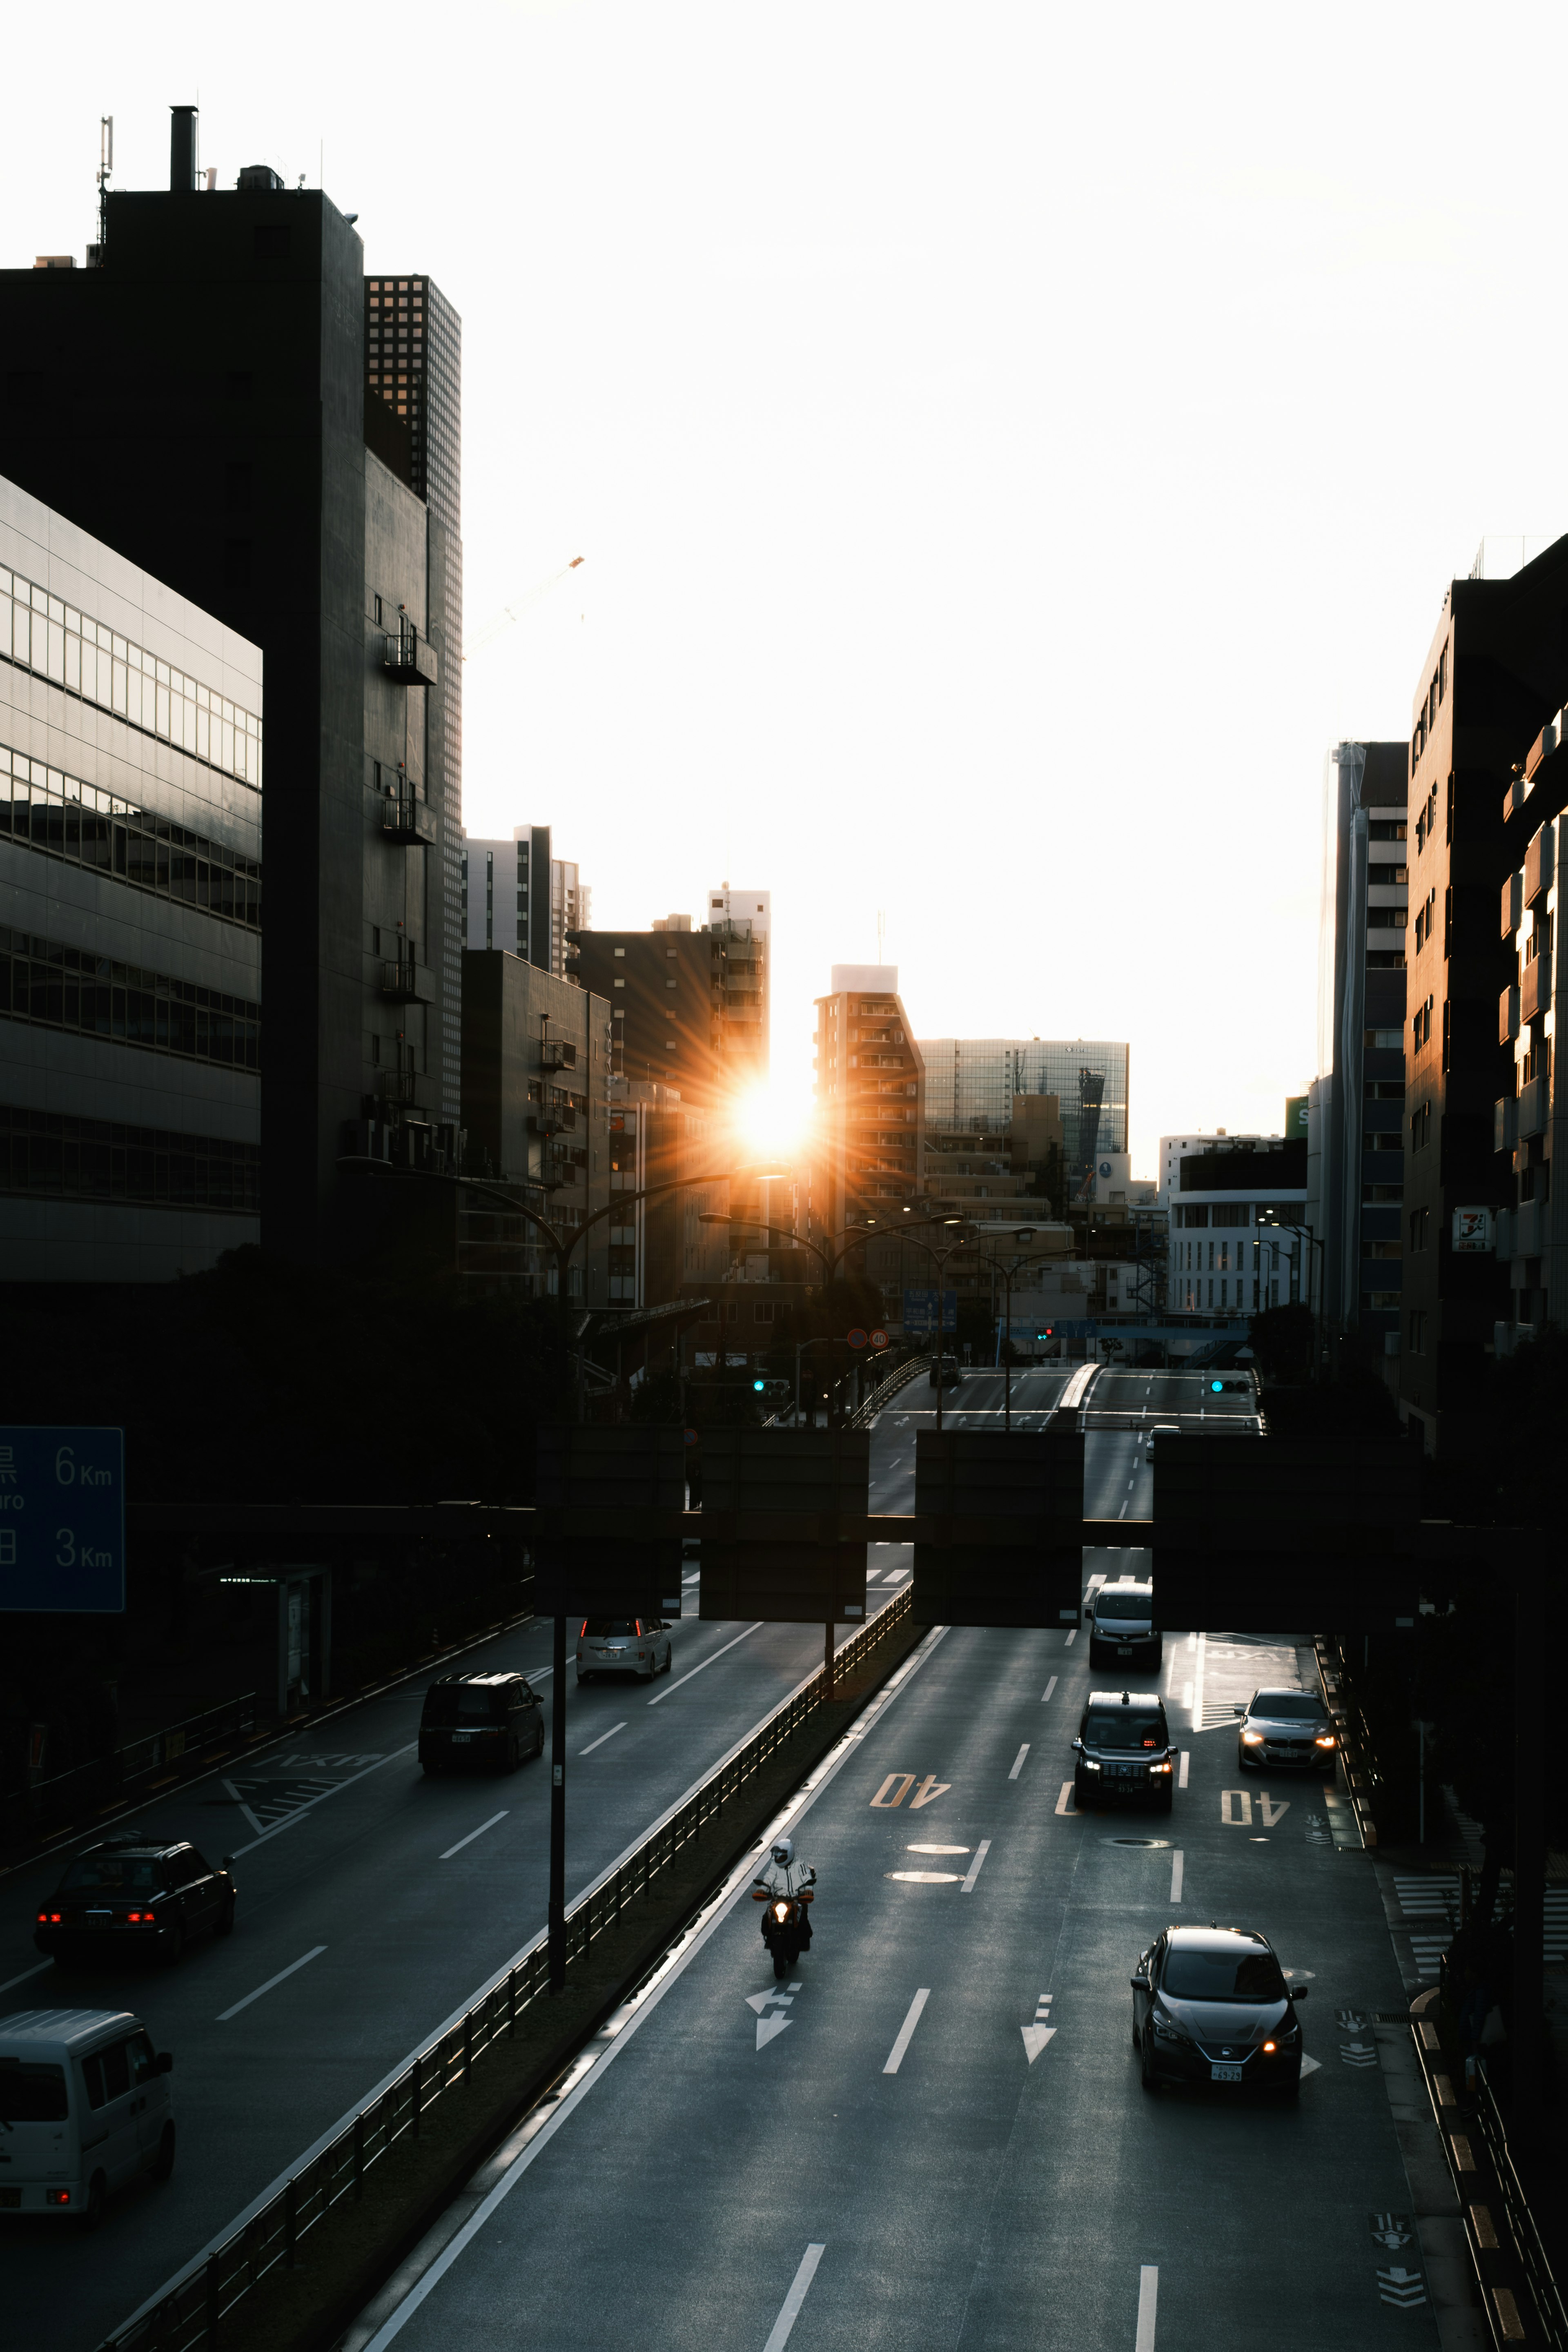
{"x":624,"y":1646}
{"x":1288,"y":1727}
{"x":135,"y":1894}
{"x":1211,"y":2005}
{"x":1123,"y":1750}
{"x":485,"y":1722}
{"x":1121,"y":1625}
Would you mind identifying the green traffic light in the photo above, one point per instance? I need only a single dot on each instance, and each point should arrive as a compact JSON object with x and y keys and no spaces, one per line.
{"x":759,"y":1384}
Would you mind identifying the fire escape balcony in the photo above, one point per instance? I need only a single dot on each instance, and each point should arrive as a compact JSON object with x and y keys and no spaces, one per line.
{"x":403,"y":818}
{"x":408,"y":983}
{"x":558,"y":1053}
{"x":408,"y":659}
{"x":553,"y":1119}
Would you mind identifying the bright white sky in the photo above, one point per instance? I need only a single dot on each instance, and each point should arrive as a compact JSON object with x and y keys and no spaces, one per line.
{"x":1009,"y":445}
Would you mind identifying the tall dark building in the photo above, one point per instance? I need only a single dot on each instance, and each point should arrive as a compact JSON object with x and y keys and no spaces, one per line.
{"x":1496,"y":672}
{"x":199,"y":401}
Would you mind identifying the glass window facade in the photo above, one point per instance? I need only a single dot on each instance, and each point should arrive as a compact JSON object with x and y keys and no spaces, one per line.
{"x":41,"y":634}
{"x":971,"y":1083}
{"x":51,"y":1154}
{"x":44,"y":809}
{"x":43,"y":982}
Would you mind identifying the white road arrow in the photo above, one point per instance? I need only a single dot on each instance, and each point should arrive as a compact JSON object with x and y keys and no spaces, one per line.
{"x":1036,"y":2037}
{"x":1311,"y":2066}
{"x":769,"y":2029}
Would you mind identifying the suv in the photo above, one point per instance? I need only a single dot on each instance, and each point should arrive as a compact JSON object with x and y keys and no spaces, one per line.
{"x":135,"y":1894}
{"x":1122,"y":1624}
{"x":1123,"y":1750}
{"x":946,"y":1372}
{"x":488,"y":1721}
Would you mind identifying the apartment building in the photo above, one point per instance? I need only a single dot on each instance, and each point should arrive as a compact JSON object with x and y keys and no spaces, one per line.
{"x":1495,"y":674}
{"x":689,"y":1003}
{"x":1528,"y":1121}
{"x":132,"y":746}
{"x":516,"y":896}
{"x":1233,"y":1202}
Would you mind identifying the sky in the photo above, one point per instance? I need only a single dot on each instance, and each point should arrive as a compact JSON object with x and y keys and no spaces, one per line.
{"x":1008,"y":446}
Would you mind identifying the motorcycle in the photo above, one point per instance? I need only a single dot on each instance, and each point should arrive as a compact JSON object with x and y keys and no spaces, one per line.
{"x":786,"y":1930}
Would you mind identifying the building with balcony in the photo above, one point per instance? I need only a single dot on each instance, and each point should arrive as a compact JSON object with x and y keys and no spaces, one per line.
{"x":277,"y":443}
{"x":132,"y":742}
{"x":536,"y":1072}
{"x":516,"y":895}
{"x":1531,"y":1226}
{"x":1495,"y":675}
{"x":973,"y":1085}
{"x":688,"y":1005}
{"x":1355,"y":1106}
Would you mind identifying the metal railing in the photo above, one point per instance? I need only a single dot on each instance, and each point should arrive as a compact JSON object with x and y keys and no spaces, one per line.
{"x":1521,"y":2227}
{"x":191,"y":2315}
{"x":102,"y":1781}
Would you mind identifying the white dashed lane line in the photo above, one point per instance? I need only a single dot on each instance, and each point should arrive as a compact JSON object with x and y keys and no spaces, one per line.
{"x":294,"y":1965}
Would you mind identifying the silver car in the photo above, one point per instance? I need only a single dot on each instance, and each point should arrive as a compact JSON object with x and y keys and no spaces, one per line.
{"x":1291,"y":1727}
{"x":623,"y":1646}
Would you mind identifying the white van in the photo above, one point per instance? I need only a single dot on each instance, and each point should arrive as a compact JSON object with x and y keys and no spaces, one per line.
{"x":85,"y":2106}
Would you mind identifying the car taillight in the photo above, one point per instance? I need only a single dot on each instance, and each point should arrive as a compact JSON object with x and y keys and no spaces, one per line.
{"x":56,"y":2197}
{"x":48,"y":1918}
{"x":144,"y":1918}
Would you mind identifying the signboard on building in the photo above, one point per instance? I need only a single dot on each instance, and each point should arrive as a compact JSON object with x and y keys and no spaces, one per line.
{"x":1473,"y":1229}
{"x":921,"y":1312}
{"x":62,"y":1519}
{"x":1295,"y":1116}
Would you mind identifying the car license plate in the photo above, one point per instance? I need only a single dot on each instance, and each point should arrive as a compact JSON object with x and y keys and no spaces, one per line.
{"x":99,"y":1918}
{"x":1224,"y":2073}
{"x":1124,"y":1649}
{"x":463,"y":1736}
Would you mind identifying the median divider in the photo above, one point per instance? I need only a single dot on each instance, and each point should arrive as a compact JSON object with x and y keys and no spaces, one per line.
{"x":293,"y":2274}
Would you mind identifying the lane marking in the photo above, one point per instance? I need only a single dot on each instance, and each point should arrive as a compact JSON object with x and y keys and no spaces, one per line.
{"x":930,"y":1789}
{"x":601,"y":1739}
{"x":1049,"y":1689}
{"x":300,"y":1812}
{"x":1182,"y":1773}
{"x":1019,"y":1761}
{"x":1271,"y":1813}
{"x":981,"y":1851}
{"x":1178,"y":1862}
{"x":933,"y":1849}
{"x":907,"y":2032}
{"x":483,"y":1826}
{"x":1148,"y":2299}
{"x":26,"y":1974}
{"x":706,"y":1663}
{"x":901,"y":1781}
{"x":1236,"y":1821}
{"x":1064,"y":1802}
{"x":1071,"y":1638}
{"x":303,"y":1961}
{"x":1122,"y":1514}
{"x":789,"y":2310}
{"x":925,"y":1877}
{"x":1036,"y":2037}
{"x":1198,"y":1683}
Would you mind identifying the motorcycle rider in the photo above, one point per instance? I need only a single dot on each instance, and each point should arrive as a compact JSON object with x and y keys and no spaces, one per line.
{"x":785,"y":1877}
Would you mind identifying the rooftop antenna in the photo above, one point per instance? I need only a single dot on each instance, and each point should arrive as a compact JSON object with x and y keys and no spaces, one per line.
{"x":105,"y":165}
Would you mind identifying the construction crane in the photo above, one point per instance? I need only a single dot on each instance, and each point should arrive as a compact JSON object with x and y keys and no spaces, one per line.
{"x":498,"y":626}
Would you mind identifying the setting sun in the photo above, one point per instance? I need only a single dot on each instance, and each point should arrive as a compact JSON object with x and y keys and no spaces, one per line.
{"x":773,"y":1120}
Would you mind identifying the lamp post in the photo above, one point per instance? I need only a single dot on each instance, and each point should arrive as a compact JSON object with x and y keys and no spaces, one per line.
{"x":1023,"y":1233}
{"x":1314,"y":1267}
{"x":939,"y":1257}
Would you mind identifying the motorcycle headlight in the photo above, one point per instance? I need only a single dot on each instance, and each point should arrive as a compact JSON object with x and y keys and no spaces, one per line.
{"x":781,"y":1912}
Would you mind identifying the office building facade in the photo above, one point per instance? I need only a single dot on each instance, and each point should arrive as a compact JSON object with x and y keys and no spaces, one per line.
{"x":516,"y":896}
{"x":1356,"y":1104}
{"x":688,"y":1005}
{"x":238,"y":452}
{"x":1530,"y":1121}
{"x":132,"y":746}
{"x":1233,"y":1202}
{"x":973,"y":1083}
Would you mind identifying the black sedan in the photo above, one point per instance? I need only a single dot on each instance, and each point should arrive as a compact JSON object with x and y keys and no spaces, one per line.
{"x":1211,"y":2005}
{"x":135,"y":1894}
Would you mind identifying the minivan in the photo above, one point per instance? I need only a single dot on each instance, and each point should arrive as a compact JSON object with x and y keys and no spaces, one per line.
{"x":1122,"y":1624}
{"x":485,"y":1722}
{"x":85,"y":2106}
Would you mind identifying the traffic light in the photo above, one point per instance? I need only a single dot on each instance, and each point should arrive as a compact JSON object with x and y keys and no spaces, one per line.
{"x":1217,"y":1388}
{"x":759,"y":1386}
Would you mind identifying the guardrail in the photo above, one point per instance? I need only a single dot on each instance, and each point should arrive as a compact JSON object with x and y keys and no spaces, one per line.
{"x":103,"y":1783}
{"x":899,"y":1378}
{"x":1354,"y":1742}
{"x":190,"y":2317}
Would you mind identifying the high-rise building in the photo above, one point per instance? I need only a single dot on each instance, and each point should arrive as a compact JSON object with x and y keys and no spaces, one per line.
{"x":236,"y":451}
{"x":519,"y":898}
{"x":690,"y":1005}
{"x":131,"y":1025}
{"x":867,"y":1154}
{"x":1495,"y":674}
{"x":971,"y":1083}
{"x":1530,"y":1117}
{"x":739,"y":922}
{"x":1356,"y":1105}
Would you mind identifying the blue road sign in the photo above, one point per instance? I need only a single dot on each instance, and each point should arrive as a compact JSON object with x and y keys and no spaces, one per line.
{"x":921,"y":1312}
{"x":62,"y":1519}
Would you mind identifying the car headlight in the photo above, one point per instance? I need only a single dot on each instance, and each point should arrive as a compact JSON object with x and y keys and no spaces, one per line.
{"x":1252,"y":1739}
{"x":1326,"y":1740}
{"x":1159,"y":1768}
{"x":1167,"y":2030}
{"x":1089,"y":1765}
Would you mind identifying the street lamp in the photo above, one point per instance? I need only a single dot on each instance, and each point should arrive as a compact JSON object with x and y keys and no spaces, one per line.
{"x":1023,"y":1233}
{"x":939,"y":1257}
{"x":1305,"y":1232}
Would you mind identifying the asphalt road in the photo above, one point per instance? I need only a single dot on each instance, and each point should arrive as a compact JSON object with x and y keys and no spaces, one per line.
{"x":934,"y":2135}
{"x":373,"y":1902}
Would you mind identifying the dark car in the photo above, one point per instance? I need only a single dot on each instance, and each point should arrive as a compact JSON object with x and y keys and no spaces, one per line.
{"x":1122,"y":1624}
{"x":1290,"y":1727}
{"x":136,"y":1894}
{"x":946,"y":1372}
{"x":483,"y":1723}
{"x":1211,"y":2005}
{"x":1123,"y":1750}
